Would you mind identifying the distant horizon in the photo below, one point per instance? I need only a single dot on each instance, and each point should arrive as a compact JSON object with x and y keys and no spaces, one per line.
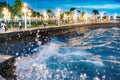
{"x":110,"y":7}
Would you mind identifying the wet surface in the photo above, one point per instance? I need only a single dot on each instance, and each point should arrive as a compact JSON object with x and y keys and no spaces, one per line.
{"x":90,"y":55}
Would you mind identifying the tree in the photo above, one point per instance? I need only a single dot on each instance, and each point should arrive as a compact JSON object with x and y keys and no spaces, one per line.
{"x":49,"y":12}
{"x":62,"y":16}
{"x":71,"y":13}
{"x":95,"y":12}
{"x":83,"y":14}
{"x":67,"y":13}
{"x":17,"y":7}
{"x":78,"y":11}
{"x":72,"y":9}
{"x":4,"y":5}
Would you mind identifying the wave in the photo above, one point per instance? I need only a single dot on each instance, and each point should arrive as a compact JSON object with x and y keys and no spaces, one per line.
{"x":73,"y":50}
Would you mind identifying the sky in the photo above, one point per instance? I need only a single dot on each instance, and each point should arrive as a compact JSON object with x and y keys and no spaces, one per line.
{"x":108,"y":6}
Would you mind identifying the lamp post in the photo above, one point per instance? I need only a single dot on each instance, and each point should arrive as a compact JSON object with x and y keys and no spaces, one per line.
{"x":8,"y":17}
{"x":115,"y":15}
{"x":64,"y":18}
{"x":86,"y":17}
{"x":29,"y":15}
{"x":25,"y":14}
{"x":101,"y":16}
{"x":75,"y":17}
{"x":58,"y":16}
{"x":45,"y":16}
{"x":109,"y":17}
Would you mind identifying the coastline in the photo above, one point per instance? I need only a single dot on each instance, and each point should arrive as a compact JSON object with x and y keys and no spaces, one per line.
{"x":13,"y":42}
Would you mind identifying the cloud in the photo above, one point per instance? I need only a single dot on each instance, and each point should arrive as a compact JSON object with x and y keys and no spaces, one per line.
{"x":104,"y":6}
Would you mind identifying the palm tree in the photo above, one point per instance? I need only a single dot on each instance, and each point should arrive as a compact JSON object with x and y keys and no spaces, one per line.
{"x":72,"y":9}
{"x":50,"y":13}
{"x":95,"y":12}
{"x":71,"y":13}
{"x":67,"y":15}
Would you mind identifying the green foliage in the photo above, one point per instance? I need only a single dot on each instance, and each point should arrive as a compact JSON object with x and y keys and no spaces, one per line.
{"x":95,"y":12}
{"x":72,"y":9}
{"x":67,"y":13}
{"x":50,"y":12}
{"x":62,"y":16}
{"x":39,"y":23}
{"x":83,"y":13}
{"x":52,"y":23}
{"x":4,"y":5}
{"x":34,"y":13}
{"x":17,"y":8}
{"x":78,"y":11}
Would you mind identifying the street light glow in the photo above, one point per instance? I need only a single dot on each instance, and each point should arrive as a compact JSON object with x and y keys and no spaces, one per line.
{"x":75,"y":17}
{"x":25,"y":10}
{"x":29,"y":15}
{"x":45,"y":16}
{"x":25,"y":5}
{"x":6,"y":14}
{"x":58,"y":16}
{"x":58,"y":9}
{"x":115,"y":16}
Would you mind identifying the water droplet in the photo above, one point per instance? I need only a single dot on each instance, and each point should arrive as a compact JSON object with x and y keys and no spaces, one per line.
{"x":96,"y":78}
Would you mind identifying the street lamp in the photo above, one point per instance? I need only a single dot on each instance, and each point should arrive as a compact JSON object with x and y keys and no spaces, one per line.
{"x":115,"y":16}
{"x":75,"y":17}
{"x":65,"y":17}
{"x":45,"y":16}
{"x":86,"y":18}
{"x":109,"y":18}
{"x":29,"y":15}
{"x":6,"y":14}
{"x":58,"y":16}
{"x":16,"y":18}
{"x":25,"y":15}
{"x":102,"y":15}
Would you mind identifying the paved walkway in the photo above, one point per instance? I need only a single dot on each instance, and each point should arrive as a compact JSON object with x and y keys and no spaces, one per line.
{"x":16,"y":29}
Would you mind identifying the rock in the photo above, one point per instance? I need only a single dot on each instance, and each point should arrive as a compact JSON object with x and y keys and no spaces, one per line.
{"x":7,"y":67}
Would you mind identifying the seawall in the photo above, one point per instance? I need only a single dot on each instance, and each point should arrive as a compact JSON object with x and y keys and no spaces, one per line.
{"x":22,"y":42}
{"x":54,"y":31}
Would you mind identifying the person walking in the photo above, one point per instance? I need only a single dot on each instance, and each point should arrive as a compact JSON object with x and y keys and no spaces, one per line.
{"x":3,"y":25}
{"x":20,"y":24}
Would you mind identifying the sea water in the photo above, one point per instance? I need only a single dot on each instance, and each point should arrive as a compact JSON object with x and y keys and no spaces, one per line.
{"x":93,"y":56}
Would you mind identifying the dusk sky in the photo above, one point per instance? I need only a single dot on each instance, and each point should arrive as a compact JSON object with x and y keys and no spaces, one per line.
{"x":109,"y":6}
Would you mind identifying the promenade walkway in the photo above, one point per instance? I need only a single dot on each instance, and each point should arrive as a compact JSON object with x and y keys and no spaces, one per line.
{"x":16,"y":29}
